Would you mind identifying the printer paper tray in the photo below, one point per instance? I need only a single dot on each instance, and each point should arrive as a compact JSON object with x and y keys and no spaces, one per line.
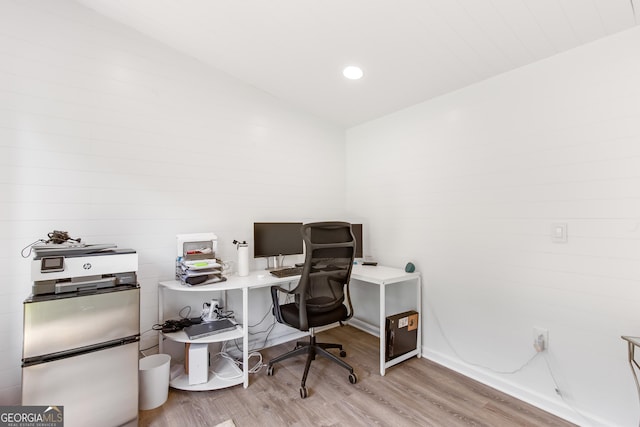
{"x":63,"y":287}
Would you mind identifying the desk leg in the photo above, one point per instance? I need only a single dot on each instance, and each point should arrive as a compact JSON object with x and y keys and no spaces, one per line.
{"x":245,"y":336}
{"x":160,"y":317}
{"x":634,"y":365}
{"x":383,"y":329}
{"x":419,"y":310}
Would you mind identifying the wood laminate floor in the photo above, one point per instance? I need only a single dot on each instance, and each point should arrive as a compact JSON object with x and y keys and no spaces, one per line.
{"x":416,"y":392}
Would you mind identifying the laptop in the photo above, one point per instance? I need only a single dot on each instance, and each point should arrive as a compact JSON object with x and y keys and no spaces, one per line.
{"x":209,"y":328}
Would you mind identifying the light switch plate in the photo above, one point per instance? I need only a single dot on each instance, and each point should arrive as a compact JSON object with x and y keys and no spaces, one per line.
{"x":559,"y":232}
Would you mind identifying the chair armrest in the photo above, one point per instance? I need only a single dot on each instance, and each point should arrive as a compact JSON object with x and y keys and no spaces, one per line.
{"x":276,"y":302}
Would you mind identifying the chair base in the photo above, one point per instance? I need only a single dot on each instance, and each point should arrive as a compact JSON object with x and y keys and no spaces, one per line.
{"x":313,"y":349}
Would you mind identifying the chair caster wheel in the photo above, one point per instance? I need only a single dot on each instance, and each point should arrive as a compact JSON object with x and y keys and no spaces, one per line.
{"x":343,"y":353}
{"x":303,"y":392}
{"x":270,"y":370}
{"x":352,"y":378}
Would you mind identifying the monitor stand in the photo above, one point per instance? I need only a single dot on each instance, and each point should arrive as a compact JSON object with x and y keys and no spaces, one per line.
{"x":278,"y":263}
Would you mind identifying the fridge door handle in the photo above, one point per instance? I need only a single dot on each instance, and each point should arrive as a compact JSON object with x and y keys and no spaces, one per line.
{"x":36,"y":360}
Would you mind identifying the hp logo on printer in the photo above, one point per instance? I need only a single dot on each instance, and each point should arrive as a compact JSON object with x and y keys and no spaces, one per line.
{"x":87,"y":265}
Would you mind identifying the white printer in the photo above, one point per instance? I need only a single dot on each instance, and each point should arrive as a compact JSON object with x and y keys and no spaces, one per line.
{"x":60,"y":268}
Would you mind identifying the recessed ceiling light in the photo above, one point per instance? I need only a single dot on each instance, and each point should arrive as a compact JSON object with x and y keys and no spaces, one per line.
{"x":352,"y":72}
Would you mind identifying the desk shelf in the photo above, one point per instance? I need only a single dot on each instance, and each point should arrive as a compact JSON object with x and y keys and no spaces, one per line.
{"x":223,"y":373}
{"x":182,"y":337}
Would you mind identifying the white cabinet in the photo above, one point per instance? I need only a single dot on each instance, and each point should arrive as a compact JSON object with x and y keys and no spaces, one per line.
{"x":196,"y":364}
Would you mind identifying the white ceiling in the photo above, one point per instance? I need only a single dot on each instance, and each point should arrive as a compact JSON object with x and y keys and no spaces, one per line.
{"x":410,"y":50}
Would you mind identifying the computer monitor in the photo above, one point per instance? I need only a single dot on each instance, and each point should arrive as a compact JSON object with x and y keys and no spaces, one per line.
{"x":273,"y":239}
{"x":357,"y":233}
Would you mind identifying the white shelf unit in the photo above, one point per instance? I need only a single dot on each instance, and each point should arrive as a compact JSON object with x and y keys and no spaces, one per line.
{"x":220,"y":372}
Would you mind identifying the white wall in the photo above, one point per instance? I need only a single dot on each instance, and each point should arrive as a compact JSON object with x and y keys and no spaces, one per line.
{"x":117,"y":139}
{"x":467,"y":187}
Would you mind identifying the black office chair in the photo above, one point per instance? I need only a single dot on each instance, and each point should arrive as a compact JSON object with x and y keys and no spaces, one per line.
{"x":322,"y":294}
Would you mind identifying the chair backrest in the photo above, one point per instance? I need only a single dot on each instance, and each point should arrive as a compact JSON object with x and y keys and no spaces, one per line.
{"x":329,"y":253}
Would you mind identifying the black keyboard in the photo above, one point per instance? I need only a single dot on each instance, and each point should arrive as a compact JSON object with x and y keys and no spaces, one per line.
{"x":287,"y":272}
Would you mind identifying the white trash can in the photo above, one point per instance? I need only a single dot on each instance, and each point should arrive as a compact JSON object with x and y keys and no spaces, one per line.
{"x":154,"y":380}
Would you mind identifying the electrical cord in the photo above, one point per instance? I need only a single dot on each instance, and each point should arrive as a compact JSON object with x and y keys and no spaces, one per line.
{"x":228,"y":314}
{"x":30,"y":247}
{"x":149,"y":348}
{"x":224,"y":355}
{"x":254,"y":352}
{"x":172,"y":325}
{"x":557,"y":390}
{"x":488,"y":368}
{"x":511,"y":372}
{"x":288,"y":299}
{"x":266,"y":337}
{"x":175,"y":325}
{"x":253,"y":370}
{"x":268,"y":331}
{"x":263,"y":317}
{"x":259,"y":364}
{"x":57,"y":237}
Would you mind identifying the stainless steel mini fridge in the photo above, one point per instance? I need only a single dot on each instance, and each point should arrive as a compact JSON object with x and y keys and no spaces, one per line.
{"x":81,"y":351}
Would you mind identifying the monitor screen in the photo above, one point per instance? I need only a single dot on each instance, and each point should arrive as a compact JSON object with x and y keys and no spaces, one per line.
{"x":356,"y":229}
{"x":277,"y":238}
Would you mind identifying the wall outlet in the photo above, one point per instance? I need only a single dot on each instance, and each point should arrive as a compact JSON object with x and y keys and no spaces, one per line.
{"x":559,"y":232}
{"x":540,"y":339}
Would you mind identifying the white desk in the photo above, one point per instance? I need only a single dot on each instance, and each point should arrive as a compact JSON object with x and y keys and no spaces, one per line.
{"x":381,"y":276}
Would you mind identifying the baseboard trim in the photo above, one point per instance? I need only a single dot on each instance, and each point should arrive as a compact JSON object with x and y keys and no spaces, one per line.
{"x":364,"y":326}
{"x":559,"y":409}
